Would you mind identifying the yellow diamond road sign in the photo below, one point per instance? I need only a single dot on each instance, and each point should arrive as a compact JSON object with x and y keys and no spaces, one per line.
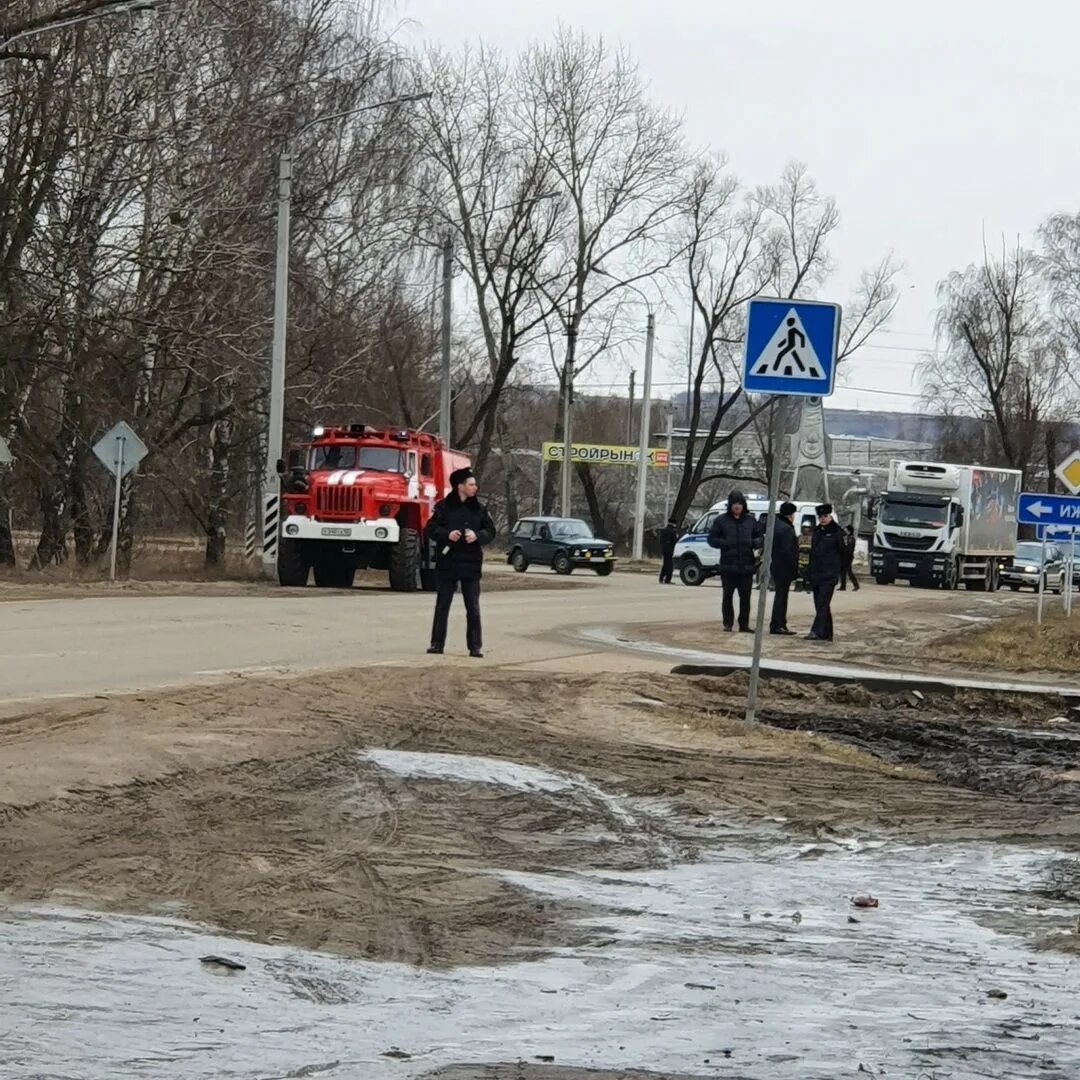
{"x":1068,"y":472}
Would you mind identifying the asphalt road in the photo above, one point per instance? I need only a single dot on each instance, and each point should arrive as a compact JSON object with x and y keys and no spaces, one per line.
{"x":79,"y":646}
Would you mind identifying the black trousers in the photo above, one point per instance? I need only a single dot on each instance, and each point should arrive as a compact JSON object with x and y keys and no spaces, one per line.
{"x":470,"y":593}
{"x":666,"y":570}
{"x":779,"y":604}
{"x":741,"y":584}
{"x":848,"y":572}
{"x":823,"y":594}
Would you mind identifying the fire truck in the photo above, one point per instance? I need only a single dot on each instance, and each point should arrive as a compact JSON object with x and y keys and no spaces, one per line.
{"x":357,"y":498}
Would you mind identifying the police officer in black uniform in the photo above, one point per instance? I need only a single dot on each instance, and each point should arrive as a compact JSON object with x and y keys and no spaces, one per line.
{"x":460,"y":528}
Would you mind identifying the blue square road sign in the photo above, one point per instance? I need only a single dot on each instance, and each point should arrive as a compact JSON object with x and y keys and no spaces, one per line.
{"x":791,"y":347}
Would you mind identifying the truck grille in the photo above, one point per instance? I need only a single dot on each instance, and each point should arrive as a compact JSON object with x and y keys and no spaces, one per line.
{"x":909,"y":543}
{"x":338,"y":502}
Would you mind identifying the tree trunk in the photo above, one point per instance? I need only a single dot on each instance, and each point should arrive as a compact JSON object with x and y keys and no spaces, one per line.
{"x":7,"y":541}
{"x":219,"y":435}
{"x":81,"y":523}
{"x":596,"y":511}
{"x":509,"y":476}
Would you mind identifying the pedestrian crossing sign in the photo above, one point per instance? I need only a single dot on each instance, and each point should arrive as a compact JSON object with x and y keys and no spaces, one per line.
{"x":791,"y":347}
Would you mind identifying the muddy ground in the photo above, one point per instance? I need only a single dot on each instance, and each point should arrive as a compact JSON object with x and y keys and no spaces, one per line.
{"x":263,"y":807}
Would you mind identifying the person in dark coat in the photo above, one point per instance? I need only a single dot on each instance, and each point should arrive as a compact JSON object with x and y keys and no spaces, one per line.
{"x":783,"y":566}
{"x":826,"y":566}
{"x":849,"y":559}
{"x":736,"y":534}
{"x":459,"y":528}
{"x":669,"y":537}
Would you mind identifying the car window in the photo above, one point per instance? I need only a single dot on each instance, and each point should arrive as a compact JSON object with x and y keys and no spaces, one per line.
{"x":704,"y":523}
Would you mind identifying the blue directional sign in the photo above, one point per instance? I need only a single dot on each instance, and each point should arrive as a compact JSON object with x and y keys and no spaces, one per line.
{"x":1038,"y":508}
{"x":791,"y":347}
{"x":1055,"y":532}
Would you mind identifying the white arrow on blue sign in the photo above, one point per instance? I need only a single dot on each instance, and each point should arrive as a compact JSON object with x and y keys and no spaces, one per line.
{"x":791,"y":347}
{"x":1038,"y":508}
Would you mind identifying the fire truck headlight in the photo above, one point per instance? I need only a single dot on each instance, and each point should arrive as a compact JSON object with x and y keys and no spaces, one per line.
{"x":384,"y":510}
{"x":292,"y":530}
{"x":381,"y":533}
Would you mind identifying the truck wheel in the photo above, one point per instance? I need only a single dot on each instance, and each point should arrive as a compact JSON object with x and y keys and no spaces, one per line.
{"x":519,"y":561}
{"x":691,"y":572}
{"x":883,"y":579}
{"x":405,"y":562}
{"x":292,"y":567}
{"x":562,"y":564}
{"x":603,"y":571}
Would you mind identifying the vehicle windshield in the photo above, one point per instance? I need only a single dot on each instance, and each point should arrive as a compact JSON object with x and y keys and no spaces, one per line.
{"x":374,"y":458}
{"x":911,"y":515}
{"x":571,"y":529}
{"x":1030,"y":553}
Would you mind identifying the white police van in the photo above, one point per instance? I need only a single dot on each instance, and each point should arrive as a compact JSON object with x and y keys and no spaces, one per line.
{"x":696,"y":561}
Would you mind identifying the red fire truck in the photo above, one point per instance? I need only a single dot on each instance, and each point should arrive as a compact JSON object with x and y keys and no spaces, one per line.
{"x":360,"y":497}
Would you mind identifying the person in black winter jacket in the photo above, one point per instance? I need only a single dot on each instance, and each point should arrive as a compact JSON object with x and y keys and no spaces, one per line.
{"x":783,"y":566}
{"x":849,"y":560}
{"x":459,"y":528}
{"x":736,"y":534}
{"x":826,"y":566}
{"x":669,"y":537}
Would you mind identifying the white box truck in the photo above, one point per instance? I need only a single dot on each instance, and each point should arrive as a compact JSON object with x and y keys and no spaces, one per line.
{"x":942,"y":525}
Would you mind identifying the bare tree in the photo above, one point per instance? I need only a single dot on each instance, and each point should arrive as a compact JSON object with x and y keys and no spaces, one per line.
{"x":615,"y":158}
{"x":1000,"y":359}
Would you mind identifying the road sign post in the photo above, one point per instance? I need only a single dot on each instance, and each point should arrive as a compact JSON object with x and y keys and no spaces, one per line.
{"x":120,"y":450}
{"x":791,"y":349}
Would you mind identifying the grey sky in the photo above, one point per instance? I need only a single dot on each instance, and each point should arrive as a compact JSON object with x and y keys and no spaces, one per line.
{"x":933,"y":123}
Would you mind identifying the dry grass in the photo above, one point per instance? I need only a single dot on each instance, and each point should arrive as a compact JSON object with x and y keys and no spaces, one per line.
{"x":1017,"y":643}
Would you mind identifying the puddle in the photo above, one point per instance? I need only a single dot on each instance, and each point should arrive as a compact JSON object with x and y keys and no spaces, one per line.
{"x":499,"y":772}
{"x":470,"y":770}
{"x":744,"y":963}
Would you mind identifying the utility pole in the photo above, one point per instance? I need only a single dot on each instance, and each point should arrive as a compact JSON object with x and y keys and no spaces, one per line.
{"x":568,"y":403}
{"x":447,"y":318}
{"x":271,"y":509}
{"x":667,"y":478}
{"x":643,"y":441}
{"x":630,"y":411}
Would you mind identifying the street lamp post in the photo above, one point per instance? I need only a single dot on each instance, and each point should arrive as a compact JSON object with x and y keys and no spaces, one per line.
{"x":276,"y":418}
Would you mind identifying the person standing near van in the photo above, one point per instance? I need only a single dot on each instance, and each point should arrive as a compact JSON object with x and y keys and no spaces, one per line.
{"x":826,"y":566}
{"x":669,"y":537}
{"x":783,"y":566}
{"x":849,"y":561}
{"x":736,"y":534}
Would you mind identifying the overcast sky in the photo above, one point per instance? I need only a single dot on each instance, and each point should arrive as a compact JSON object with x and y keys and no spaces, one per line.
{"x":932,"y":123}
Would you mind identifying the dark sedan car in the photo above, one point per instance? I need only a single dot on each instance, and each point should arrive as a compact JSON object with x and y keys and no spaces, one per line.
{"x":561,"y":543}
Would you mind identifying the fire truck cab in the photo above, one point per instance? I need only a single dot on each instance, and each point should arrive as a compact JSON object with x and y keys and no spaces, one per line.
{"x":359,"y":497}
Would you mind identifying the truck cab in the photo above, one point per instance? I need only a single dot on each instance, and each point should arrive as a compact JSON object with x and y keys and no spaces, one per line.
{"x":360,"y":497}
{"x":941,"y":525}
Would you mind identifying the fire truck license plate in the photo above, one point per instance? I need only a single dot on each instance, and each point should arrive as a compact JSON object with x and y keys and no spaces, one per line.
{"x":337,"y":532}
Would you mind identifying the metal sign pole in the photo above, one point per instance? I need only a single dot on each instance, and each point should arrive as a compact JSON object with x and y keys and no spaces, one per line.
{"x":119,"y":476}
{"x":1071,"y":569}
{"x":1042,"y":583}
{"x":778,"y":408}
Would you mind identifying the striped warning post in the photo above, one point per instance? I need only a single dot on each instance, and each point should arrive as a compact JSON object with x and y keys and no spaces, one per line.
{"x":271,"y":525}
{"x":251,"y":539}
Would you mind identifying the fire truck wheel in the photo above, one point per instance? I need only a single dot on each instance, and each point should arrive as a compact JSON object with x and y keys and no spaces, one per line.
{"x":405,"y":562}
{"x":292,"y":567}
